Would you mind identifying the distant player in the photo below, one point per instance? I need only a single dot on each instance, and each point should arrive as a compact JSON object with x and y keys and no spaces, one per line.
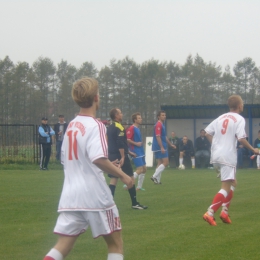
{"x":118,"y":150}
{"x":159,"y":147}
{"x":86,"y":200}
{"x":135,"y":142}
{"x":257,"y":145}
{"x":223,"y":133}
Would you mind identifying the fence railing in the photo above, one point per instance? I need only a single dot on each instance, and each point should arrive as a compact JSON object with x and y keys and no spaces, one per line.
{"x":19,"y":142}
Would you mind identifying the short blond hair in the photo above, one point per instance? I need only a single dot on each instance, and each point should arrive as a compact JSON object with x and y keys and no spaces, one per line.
{"x":234,"y":101}
{"x":84,"y":91}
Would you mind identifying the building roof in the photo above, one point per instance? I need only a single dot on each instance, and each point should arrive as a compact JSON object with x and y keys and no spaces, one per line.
{"x":207,"y":111}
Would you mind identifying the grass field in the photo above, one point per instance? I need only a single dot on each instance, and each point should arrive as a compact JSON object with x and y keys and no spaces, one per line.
{"x":171,"y":228}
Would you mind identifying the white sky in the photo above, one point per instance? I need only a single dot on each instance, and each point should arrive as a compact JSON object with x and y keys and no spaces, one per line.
{"x":98,"y":31}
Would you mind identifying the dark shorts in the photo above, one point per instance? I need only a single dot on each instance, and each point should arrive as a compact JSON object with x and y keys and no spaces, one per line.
{"x":126,"y":168}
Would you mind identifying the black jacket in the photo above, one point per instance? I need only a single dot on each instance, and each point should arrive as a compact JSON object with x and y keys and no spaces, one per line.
{"x":116,"y":136}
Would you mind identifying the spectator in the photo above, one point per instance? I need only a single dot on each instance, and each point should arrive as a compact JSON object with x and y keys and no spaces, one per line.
{"x":202,"y":148}
{"x":241,"y":151}
{"x":186,"y":150}
{"x":59,"y":129}
{"x":174,"y":148}
{"x":257,"y":145}
{"x":45,"y":141}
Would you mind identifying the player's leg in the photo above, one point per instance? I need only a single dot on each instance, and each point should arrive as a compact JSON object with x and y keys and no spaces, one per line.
{"x":112,"y":184}
{"x":158,"y":167}
{"x":115,"y":246}
{"x":69,"y":226}
{"x":225,"y":205}
{"x":127,"y":168}
{"x":227,"y":179}
{"x":61,"y":249}
{"x":141,"y":179}
{"x":163,"y":162}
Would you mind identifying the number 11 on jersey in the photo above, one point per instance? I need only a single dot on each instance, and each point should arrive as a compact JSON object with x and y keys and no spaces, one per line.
{"x":73,"y":145}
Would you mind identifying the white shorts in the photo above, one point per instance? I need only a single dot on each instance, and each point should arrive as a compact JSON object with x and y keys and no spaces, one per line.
{"x":73,"y":223}
{"x":226,"y":172}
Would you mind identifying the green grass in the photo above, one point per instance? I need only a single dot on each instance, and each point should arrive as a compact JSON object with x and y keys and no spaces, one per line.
{"x":171,"y":228}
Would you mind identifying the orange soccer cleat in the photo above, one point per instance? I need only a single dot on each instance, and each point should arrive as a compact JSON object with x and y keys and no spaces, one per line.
{"x":209,"y":219}
{"x":225,"y":217}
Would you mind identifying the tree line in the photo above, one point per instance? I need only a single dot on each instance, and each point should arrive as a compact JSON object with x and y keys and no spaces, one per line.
{"x":29,"y":92}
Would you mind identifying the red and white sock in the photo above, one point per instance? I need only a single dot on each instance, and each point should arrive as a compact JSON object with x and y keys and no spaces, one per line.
{"x":54,"y":254}
{"x":226,"y":204}
{"x":217,"y":201}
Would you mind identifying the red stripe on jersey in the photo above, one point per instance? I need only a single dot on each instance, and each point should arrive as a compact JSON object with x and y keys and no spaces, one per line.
{"x":102,"y":133}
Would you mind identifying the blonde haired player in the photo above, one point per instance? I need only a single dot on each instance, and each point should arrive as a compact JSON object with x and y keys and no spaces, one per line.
{"x":223,"y":133}
{"x":86,"y":200}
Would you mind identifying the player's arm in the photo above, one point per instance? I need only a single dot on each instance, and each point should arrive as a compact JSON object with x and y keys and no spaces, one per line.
{"x":139,"y":144}
{"x":159,"y":141}
{"x":42,"y":133}
{"x":246,"y":144}
{"x":209,"y":137}
{"x":108,"y":167}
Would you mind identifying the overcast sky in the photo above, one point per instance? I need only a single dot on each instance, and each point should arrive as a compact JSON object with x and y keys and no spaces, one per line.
{"x":98,"y":31}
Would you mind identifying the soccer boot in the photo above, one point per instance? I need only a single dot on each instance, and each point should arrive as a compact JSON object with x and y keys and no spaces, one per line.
{"x":139,"y":206}
{"x":154,"y":180}
{"x":209,"y":219}
{"x":225,"y":217}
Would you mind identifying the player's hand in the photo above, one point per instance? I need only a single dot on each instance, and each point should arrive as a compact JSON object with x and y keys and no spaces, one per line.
{"x":132,"y":154}
{"x":127,"y":181}
{"x":173,"y":146}
{"x":121,"y":162}
{"x":116,"y":163}
{"x":256,"y":151}
{"x":139,"y":144}
{"x":163,"y":150}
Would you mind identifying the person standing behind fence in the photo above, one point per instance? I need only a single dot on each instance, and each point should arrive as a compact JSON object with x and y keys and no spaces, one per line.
{"x":59,"y":129}
{"x":45,"y":141}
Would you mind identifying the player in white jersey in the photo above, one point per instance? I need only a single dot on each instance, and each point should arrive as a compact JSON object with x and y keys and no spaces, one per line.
{"x":86,"y":200}
{"x":223,"y":133}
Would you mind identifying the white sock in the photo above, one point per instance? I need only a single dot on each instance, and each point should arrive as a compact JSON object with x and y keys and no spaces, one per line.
{"x":181,"y":161}
{"x":193,"y":161}
{"x":140,"y":180}
{"x":158,"y":171}
{"x":135,"y":175}
{"x":55,"y":254}
{"x":115,"y":256}
{"x":159,"y":177}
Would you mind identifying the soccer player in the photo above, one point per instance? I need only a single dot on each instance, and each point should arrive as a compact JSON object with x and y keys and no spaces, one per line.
{"x":118,"y":150}
{"x":223,"y":133}
{"x":159,"y":147}
{"x":86,"y":200}
{"x":135,"y":143}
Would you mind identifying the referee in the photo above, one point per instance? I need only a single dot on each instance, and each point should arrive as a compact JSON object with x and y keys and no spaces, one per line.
{"x":118,"y":151}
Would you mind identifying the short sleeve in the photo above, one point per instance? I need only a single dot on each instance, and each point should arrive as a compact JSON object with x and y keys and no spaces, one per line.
{"x":96,"y":143}
{"x":158,"y":129}
{"x":130,"y":133}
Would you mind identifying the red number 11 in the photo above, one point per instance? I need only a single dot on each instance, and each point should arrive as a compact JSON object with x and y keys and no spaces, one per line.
{"x":73,"y":144}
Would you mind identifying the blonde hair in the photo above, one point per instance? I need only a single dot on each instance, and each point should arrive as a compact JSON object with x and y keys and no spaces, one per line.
{"x":84,"y":91}
{"x":234,"y":101}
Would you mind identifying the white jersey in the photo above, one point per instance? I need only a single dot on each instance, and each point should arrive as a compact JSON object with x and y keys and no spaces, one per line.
{"x":84,"y":188}
{"x":226,"y":130}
